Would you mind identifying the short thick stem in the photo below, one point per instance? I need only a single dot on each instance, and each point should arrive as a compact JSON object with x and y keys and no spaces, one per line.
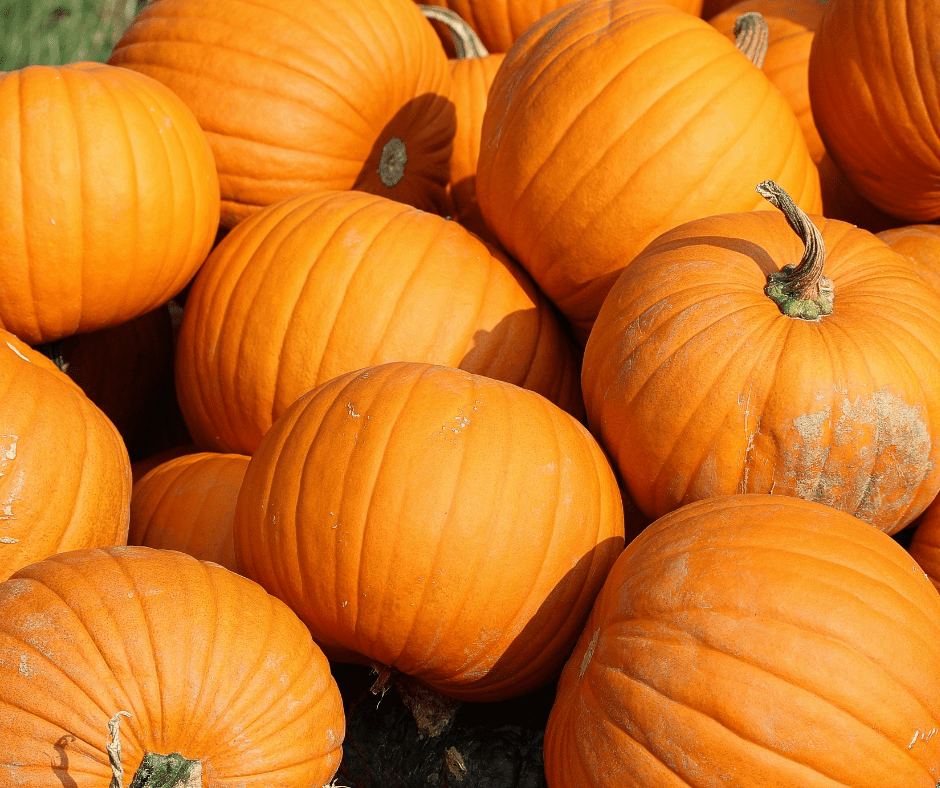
{"x":800,"y":291}
{"x":155,"y":771}
{"x":751,"y":37}
{"x":466,"y":42}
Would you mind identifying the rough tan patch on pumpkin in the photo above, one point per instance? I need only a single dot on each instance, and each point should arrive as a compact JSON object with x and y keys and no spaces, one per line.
{"x":589,"y":654}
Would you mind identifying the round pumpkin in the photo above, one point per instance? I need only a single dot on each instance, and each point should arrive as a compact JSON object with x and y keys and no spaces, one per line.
{"x":445,"y":525}
{"x":500,"y":22}
{"x":925,"y":543}
{"x":874,"y":80}
{"x":920,"y":244}
{"x":699,"y":384}
{"x":612,"y":121}
{"x":188,"y":504}
{"x":304,"y":95}
{"x":201,"y":661}
{"x":110,"y":200}
{"x":324,"y":284}
{"x":754,"y":640}
{"x":65,"y":477}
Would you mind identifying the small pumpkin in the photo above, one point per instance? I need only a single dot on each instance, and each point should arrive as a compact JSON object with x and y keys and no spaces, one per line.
{"x":110,"y":200}
{"x":304,"y":95}
{"x":199,"y":661}
{"x":770,"y":352}
{"x":188,"y":503}
{"x":873,"y":81}
{"x":754,"y":640}
{"x":612,"y":121}
{"x":440,"y":524}
{"x":323,"y":284}
{"x":65,"y":476}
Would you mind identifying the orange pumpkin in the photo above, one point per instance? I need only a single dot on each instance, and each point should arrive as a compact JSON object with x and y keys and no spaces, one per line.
{"x":188,"y":503}
{"x":500,"y":22}
{"x":925,"y":544}
{"x":919,"y":244}
{"x":442,"y":524}
{"x":202,"y":661}
{"x":698,"y":384}
{"x":873,"y":80}
{"x":304,"y":95}
{"x":754,"y":640}
{"x":110,"y":200}
{"x":65,"y":477}
{"x":324,"y":284}
{"x":612,"y":121}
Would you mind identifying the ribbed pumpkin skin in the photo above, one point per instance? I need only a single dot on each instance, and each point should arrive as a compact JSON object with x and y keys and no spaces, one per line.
{"x":791,"y":25}
{"x":110,"y":200}
{"x":925,"y":545}
{"x":500,"y":22}
{"x":873,"y":78}
{"x":451,"y":526}
{"x":754,"y":641}
{"x":324,"y":284}
{"x":613,"y":121}
{"x":206,"y":662}
{"x":920,"y":244}
{"x":65,"y":477}
{"x":697,"y":386}
{"x":471,"y":78}
{"x":303,"y":95}
{"x":188,"y":504}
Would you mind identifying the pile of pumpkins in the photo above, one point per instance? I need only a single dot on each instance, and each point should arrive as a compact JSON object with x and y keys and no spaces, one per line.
{"x":488,"y":343}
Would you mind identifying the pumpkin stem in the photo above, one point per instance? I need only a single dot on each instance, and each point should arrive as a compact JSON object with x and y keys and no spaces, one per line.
{"x":55,"y":352}
{"x":384,"y":680}
{"x":799,"y":290}
{"x":392,"y":164}
{"x":751,"y":37}
{"x":155,"y":771}
{"x":466,"y":42}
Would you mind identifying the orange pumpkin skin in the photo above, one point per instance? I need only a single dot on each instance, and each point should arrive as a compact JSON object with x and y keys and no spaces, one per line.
{"x":111,"y":198}
{"x":65,"y":477}
{"x":304,"y":95}
{"x":925,"y":544}
{"x":697,"y":386}
{"x":450,"y":526}
{"x":206,"y":663}
{"x":188,"y":504}
{"x":324,"y":284}
{"x":499,"y":23}
{"x":920,"y":244}
{"x":754,"y":640}
{"x":873,"y":77}
{"x":471,"y":78}
{"x":612,"y":121}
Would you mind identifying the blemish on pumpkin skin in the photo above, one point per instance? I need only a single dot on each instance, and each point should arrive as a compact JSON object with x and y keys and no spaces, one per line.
{"x":589,"y":654}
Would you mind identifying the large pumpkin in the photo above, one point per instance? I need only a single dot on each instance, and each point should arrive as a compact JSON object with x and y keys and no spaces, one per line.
{"x":65,"y":477}
{"x":188,"y":503}
{"x":712,"y":371}
{"x":612,"y":121}
{"x":754,"y":640}
{"x":304,"y":95}
{"x":500,"y":22}
{"x":324,"y":284}
{"x":110,"y":198}
{"x":202,"y":661}
{"x":442,"y":524}
{"x":874,"y":80}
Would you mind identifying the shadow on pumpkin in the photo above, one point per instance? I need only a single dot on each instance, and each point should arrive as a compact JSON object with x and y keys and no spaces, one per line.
{"x":61,"y":769}
{"x":417,"y":167}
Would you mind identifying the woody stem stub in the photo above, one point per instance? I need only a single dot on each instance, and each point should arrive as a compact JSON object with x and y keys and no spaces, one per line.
{"x":800,"y":290}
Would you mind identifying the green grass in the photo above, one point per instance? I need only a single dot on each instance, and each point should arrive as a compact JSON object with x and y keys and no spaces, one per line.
{"x":53,"y":32}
